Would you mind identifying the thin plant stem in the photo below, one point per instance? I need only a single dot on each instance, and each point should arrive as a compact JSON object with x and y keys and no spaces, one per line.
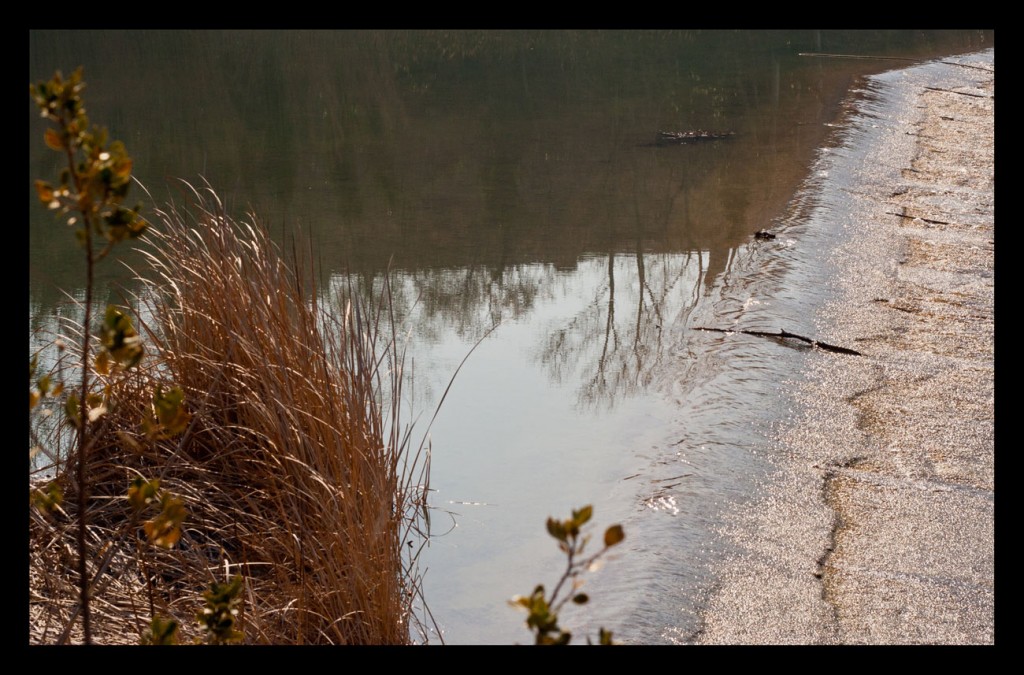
{"x":83,"y":419}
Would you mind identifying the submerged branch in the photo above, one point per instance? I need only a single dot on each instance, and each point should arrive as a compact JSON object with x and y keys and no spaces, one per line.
{"x":962,"y":93}
{"x":930,"y":221}
{"x":785,"y":334}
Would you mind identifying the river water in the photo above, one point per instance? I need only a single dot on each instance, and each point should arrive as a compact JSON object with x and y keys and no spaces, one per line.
{"x":513,"y":184}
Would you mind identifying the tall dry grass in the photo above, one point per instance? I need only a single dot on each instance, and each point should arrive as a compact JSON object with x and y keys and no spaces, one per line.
{"x":296,"y":470}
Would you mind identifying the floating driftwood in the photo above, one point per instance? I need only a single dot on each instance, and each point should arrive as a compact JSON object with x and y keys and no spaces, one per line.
{"x":667,"y":138}
{"x":785,"y":334}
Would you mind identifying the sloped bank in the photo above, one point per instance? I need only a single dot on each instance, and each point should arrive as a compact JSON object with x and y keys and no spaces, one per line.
{"x":878,"y":527}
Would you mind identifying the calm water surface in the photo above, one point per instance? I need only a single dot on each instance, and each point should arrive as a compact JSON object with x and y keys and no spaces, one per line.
{"x":512,"y":183}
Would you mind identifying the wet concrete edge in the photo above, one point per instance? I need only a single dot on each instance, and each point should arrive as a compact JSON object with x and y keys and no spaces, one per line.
{"x":878,"y":527}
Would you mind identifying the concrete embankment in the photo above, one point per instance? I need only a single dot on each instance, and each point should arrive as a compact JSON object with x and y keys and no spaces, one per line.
{"x":878,"y":527}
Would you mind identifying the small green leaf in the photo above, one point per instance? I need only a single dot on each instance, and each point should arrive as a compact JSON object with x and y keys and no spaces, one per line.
{"x":165,"y":529}
{"x":97,"y":406}
{"x":73,"y":410}
{"x":556,"y":529}
{"x":520,"y":601}
{"x":47,"y":498}
{"x":171,"y":416}
{"x":45,"y":191}
{"x":583,"y":515}
{"x":161,"y":632}
{"x":613,"y":535}
{"x":101,"y":364}
{"x":121,"y":339}
{"x":142,"y":492}
{"x":54,"y":140}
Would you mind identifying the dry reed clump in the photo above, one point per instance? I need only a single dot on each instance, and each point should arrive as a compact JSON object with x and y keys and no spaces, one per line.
{"x":295,"y":469}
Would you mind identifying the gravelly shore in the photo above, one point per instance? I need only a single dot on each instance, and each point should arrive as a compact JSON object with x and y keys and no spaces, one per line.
{"x":878,"y":527}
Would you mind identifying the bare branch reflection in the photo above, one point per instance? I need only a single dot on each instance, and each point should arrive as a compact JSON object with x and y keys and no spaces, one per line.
{"x":615,"y":355}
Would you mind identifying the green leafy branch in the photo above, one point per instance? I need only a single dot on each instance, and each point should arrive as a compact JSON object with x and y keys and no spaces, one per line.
{"x":91,"y":190}
{"x":543,"y":609}
{"x":164,"y":529}
{"x":220,"y":611}
{"x":89,"y":195}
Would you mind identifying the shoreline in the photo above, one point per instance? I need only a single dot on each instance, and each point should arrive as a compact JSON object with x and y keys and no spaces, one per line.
{"x":877,"y":527}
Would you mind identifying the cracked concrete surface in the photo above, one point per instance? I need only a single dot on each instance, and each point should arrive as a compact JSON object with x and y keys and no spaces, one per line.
{"x":878,"y":527}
